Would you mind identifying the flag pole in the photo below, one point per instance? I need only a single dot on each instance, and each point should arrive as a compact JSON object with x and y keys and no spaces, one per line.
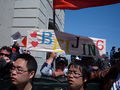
{"x":54,"y":14}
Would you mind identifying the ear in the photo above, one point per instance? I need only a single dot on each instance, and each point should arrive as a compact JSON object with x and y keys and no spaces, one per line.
{"x":31,"y":74}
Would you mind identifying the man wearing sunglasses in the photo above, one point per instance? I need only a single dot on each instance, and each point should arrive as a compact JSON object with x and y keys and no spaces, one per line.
{"x":77,"y":75}
{"x":5,"y":66}
{"x":5,"y":53}
{"x":5,"y":62}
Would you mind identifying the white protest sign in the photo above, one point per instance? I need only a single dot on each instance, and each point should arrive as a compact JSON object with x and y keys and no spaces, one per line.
{"x":55,"y":41}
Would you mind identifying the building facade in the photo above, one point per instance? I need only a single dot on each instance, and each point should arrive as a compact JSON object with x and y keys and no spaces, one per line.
{"x":23,"y":15}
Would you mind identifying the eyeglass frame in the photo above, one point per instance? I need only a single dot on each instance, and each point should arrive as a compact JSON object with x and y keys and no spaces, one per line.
{"x":17,"y":70}
{"x":76,"y":75}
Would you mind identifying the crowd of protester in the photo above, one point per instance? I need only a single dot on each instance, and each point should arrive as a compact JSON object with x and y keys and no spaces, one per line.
{"x":18,"y":68}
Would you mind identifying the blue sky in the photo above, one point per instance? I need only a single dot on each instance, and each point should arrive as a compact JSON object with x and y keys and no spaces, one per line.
{"x":99,"y":22}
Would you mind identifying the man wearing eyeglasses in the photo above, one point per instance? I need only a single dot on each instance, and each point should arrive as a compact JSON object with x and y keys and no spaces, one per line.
{"x":77,"y":75}
{"x":23,"y":71}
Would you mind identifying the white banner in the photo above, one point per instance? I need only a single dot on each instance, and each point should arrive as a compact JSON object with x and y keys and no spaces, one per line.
{"x":55,"y":41}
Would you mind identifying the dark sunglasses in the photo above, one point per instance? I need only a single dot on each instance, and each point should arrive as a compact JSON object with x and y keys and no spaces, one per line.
{"x":7,"y":55}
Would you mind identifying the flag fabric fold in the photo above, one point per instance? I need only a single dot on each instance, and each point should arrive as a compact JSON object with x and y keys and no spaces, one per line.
{"x":79,"y":4}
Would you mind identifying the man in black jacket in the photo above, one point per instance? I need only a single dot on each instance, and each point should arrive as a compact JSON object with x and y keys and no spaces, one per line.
{"x":5,"y":66}
{"x":5,"y":62}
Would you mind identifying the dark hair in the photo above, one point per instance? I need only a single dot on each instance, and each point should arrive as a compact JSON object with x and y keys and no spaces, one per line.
{"x":62,"y":60}
{"x":78,"y":64}
{"x":48,"y":55}
{"x":118,"y":49}
{"x":111,"y":76}
{"x":113,"y":48}
{"x":31,"y":62}
{"x":8,"y":49}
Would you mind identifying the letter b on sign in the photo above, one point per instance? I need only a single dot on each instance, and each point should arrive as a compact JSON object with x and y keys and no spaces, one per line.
{"x":46,"y":38}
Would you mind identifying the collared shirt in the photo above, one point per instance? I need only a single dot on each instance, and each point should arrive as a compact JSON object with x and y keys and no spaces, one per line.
{"x":47,"y":70}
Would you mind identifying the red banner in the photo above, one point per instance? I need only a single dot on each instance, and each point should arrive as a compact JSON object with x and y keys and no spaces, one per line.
{"x":79,"y":4}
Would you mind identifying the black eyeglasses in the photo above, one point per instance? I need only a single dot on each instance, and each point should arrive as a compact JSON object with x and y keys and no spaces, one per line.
{"x":7,"y":55}
{"x":74,"y":73}
{"x":18,"y":70}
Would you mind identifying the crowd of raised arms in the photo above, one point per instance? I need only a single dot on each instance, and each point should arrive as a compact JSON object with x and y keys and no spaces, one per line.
{"x":18,"y":68}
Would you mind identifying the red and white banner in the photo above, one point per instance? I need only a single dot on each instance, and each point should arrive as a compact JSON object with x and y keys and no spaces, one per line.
{"x":55,"y":41}
{"x":79,"y":4}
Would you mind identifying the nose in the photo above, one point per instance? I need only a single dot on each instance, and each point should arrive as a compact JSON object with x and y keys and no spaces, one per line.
{"x":13,"y":72}
{"x":70,"y":75}
{"x":6,"y":59}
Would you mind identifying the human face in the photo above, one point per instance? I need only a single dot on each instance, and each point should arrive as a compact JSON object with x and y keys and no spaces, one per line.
{"x":75,"y":79}
{"x":19,"y":72}
{"x":53,"y":54}
{"x":5,"y":54}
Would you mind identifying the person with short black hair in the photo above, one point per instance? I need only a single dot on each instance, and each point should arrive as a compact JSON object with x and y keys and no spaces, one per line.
{"x":112,"y":52}
{"x":60,"y":66}
{"x":23,"y":71}
{"x":5,"y":62}
{"x":77,"y":75}
{"x":5,"y":66}
{"x":5,"y":52}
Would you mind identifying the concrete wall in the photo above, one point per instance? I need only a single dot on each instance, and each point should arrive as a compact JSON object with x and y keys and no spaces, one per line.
{"x":6,"y":19}
{"x":23,"y":15}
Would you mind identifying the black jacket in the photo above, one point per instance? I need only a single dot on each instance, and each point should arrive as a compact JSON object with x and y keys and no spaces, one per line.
{"x":5,"y":69}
